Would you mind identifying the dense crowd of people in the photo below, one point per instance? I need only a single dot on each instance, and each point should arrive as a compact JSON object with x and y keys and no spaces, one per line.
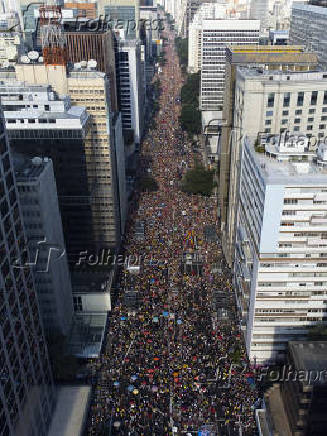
{"x":167,"y":367}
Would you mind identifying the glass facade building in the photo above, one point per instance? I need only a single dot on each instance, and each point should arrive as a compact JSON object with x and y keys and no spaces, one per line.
{"x":26,"y":388}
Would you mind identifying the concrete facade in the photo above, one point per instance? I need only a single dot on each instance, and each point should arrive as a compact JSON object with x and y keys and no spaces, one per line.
{"x":270,"y":58}
{"x":280,"y":251}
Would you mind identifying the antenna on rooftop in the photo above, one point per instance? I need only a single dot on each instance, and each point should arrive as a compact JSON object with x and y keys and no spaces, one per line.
{"x":52,"y":38}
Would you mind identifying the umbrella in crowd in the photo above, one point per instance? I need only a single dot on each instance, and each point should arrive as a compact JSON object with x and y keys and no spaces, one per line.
{"x":160,"y":369}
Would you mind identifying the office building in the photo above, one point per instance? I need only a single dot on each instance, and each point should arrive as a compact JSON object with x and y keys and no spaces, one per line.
{"x":102,"y":154}
{"x":259,"y":10}
{"x":130,"y":86}
{"x":42,"y":222}
{"x":216,"y":35}
{"x":308,"y":24}
{"x":79,"y":9}
{"x":10,"y":48}
{"x":149,"y":15}
{"x":124,"y":14}
{"x":297,"y":404}
{"x":84,"y":45}
{"x":44,"y":125}
{"x":205,"y":11}
{"x":281,"y":247}
{"x":277,"y":58}
{"x":92,"y":302}
{"x":278,"y":37}
{"x":27,"y":397}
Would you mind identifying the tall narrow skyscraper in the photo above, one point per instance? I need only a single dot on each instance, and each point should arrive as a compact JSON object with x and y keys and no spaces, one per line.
{"x":26,"y":387}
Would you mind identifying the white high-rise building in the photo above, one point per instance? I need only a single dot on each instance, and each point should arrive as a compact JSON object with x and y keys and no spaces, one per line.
{"x":308,"y":25}
{"x":281,"y":243}
{"x":259,"y":10}
{"x":216,"y":35}
{"x":269,"y":102}
{"x":206,"y":11}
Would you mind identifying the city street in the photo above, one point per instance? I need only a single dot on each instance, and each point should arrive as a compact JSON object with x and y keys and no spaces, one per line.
{"x":174,"y":361}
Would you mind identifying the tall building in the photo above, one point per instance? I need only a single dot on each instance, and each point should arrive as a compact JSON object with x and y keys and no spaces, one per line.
{"x":216,"y":35}
{"x":277,"y":58}
{"x":27,"y":396}
{"x":308,"y":23}
{"x":281,"y":246}
{"x":293,"y":101}
{"x":102,"y":155}
{"x":297,"y":404}
{"x":259,"y":10}
{"x":130,"y":86}
{"x":205,"y":11}
{"x":52,"y":128}
{"x":42,"y":222}
{"x":125,"y":15}
{"x":82,"y":45}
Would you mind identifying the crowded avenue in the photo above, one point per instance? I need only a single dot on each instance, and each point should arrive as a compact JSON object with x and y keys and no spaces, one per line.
{"x":167,"y":367}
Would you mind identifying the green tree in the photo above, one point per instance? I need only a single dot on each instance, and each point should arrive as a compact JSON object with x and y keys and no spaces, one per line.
{"x":149,"y":184}
{"x":182,"y":50}
{"x":190,"y":119}
{"x":190,"y":91}
{"x":198,"y":180}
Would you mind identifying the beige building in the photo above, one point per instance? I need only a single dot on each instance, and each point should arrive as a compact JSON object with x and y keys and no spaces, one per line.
{"x":104,"y":148}
{"x":271,"y":58}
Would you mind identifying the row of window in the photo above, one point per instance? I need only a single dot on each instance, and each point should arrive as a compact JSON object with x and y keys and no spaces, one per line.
{"x":32,"y":121}
{"x":300,"y":99}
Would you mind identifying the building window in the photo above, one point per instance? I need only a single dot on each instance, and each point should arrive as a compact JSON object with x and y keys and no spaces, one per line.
{"x":269,"y":113}
{"x":324,"y":118}
{"x":310,"y":120}
{"x":290,"y":200}
{"x":322,"y":126}
{"x":297,"y":120}
{"x":271,"y":99}
{"x":267,"y":130}
{"x":287,"y":98}
{"x":312,"y":111}
{"x":284,"y":121}
{"x":285,"y":113}
{"x":309,"y":127}
{"x":314,"y":97}
{"x":300,"y":98}
{"x":325,"y":98}
{"x":78,"y":306}
{"x":268,"y":122}
{"x":298,"y":112}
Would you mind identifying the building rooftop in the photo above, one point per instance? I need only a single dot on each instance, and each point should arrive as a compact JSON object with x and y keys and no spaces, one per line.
{"x":244,"y":48}
{"x":88,"y":282}
{"x":276,"y":172}
{"x":29,"y":170}
{"x":280,"y":76}
{"x":309,"y":355}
